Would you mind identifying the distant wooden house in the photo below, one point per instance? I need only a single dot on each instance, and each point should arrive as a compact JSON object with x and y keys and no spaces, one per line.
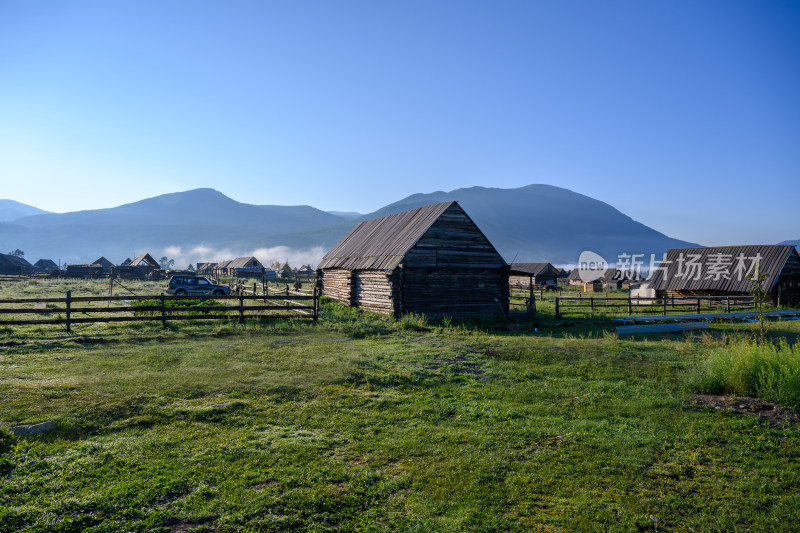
{"x":433,"y":260}
{"x":205,"y":269}
{"x":612,"y":278}
{"x":45,"y":266}
{"x":104,"y":264}
{"x":126,"y":262}
{"x":243,"y":267}
{"x":723,"y":271}
{"x":574,"y":277}
{"x":221,"y":268}
{"x":83,"y":270}
{"x":141,"y":267}
{"x":530,"y":275}
{"x":14,"y":265}
{"x":305,"y":272}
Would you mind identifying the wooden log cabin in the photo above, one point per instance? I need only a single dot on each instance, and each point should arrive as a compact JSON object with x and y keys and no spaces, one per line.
{"x":244,"y":267}
{"x":433,"y":260}
{"x":532,"y":275}
{"x":722,"y":271}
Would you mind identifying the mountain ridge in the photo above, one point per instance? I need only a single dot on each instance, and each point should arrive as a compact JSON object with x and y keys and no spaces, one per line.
{"x":537,"y":222}
{"x":11,"y":210}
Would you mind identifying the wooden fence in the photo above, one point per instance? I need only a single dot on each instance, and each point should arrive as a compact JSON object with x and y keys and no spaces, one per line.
{"x":663,"y":306}
{"x":528,"y":302}
{"x":278,"y":305}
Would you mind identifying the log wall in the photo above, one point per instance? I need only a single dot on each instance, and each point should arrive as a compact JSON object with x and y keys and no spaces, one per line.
{"x":337,"y":284}
{"x":457,"y":293}
{"x":453,"y":241}
{"x":376,"y":291}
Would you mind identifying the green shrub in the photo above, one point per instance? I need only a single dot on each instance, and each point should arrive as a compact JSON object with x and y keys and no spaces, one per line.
{"x":767,"y":371}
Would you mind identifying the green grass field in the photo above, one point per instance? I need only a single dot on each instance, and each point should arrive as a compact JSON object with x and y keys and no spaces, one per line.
{"x":362,"y":423}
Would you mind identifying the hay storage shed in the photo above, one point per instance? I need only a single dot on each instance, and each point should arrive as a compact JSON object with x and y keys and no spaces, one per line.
{"x":722,"y":271}
{"x":432,"y":260}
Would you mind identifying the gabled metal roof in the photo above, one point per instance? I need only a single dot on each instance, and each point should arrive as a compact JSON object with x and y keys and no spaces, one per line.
{"x":719,"y":268}
{"x":381,"y":243}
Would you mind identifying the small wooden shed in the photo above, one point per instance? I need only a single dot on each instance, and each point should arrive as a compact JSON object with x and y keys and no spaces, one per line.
{"x":723,"y":270}
{"x":104,"y":264}
{"x":530,"y":275}
{"x":45,"y":266}
{"x":433,"y":260}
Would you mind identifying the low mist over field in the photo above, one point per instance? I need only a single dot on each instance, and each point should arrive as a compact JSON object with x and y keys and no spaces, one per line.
{"x":267,"y":256}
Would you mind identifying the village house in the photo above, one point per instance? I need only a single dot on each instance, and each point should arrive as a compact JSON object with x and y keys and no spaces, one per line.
{"x":532,"y":275}
{"x":433,"y":260}
{"x":723,"y":271}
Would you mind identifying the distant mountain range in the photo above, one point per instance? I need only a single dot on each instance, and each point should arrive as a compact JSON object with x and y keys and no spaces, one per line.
{"x":11,"y":210}
{"x":531,"y":223}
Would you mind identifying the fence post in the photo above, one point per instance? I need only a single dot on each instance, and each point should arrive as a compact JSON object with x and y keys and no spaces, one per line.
{"x":315,"y":304}
{"x":665,"y":306}
{"x":241,"y":308}
{"x":163,"y":320}
{"x":69,"y":305}
{"x":591,"y":304}
{"x":698,"y":305}
{"x":630,"y":307}
{"x":254,"y":288}
{"x":728,"y":304}
{"x":558,"y":314}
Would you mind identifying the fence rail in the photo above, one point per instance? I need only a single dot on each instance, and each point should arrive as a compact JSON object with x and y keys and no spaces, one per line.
{"x":528,"y":301}
{"x":280,"y":305}
{"x":654,"y":305}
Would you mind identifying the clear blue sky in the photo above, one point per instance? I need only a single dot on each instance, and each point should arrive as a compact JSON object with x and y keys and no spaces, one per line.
{"x":683,"y":114}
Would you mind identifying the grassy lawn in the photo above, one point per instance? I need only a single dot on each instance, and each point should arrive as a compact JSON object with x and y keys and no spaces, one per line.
{"x":364,"y":424}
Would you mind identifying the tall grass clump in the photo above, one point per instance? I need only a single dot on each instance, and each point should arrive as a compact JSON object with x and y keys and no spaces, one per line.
{"x":413,"y":321}
{"x":351,"y":321}
{"x":767,"y":371}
